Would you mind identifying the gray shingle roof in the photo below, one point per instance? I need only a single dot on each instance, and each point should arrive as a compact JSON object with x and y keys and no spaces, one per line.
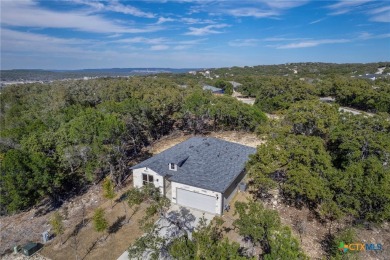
{"x":213,"y":89}
{"x":207,"y":163}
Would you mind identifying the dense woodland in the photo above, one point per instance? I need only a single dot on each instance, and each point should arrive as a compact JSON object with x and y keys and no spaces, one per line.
{"x":58,"y":138}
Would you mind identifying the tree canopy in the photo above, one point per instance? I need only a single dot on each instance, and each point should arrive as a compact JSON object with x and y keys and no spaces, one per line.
{"x":334,"y":163}
{"x":58,"y":137}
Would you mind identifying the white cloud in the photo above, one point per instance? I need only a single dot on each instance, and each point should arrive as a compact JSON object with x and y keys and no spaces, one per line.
{"x":283,"y":4}
{"x":278,"y":39}
{"x":311,"y":43}
{"x":209,"y":29}
{"x":162,"y":20}
{"x":368,"y":36}
{"x":191,"y":42}
{"x":246,"y":8}
{"x":115,"y":6}
{"x":189,"y":20}
{"x":37,"y":44}
{"x":160,"y":47}
{"x":28,"y":14}
{"x":181,"y":47}
{"x":317,"y":21}
{"x":346,"y":6}
{"x":379,"y":10}
{"x":243,"y":42}
{"x":142,"y":40}
{"x":252,"y":12}
{"x":371,"y":8}
{"x":384,"y":18}
{"x":381,"y":14}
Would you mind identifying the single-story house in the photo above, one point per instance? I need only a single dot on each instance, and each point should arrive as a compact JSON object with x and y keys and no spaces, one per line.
{"x":201,"y":173}
{"x":214,"y":90}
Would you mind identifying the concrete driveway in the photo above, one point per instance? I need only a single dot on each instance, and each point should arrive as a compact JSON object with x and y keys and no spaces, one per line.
{"x":176,"y":222}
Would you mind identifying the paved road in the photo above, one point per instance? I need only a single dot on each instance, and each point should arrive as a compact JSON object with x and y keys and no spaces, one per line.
{"x":177,"y":221}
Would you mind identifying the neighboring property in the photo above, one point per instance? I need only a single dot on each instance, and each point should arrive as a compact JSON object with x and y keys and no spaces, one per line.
{"x":235,"y":84}
{"x":214,"y":90}
{"x":201,"y":173}
{"x":327,"y":99}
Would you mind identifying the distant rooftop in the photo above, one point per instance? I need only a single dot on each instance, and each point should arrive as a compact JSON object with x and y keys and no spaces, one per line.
{"x":213,"y":89}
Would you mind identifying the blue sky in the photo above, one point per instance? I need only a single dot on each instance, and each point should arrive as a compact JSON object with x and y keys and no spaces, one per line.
{"x":76,"y":34}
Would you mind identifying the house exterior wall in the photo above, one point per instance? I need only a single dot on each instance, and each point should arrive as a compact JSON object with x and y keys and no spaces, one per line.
{"x":232,"y":190}
{"x":158,"y":180}
{"x":218,"y":206}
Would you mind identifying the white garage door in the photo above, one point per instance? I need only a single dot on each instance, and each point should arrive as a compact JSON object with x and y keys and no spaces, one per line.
{"x":196,"y":200}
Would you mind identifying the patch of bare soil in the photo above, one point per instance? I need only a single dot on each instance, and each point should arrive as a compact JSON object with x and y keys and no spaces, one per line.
{"x":123,"y":230}
{"x":36,"y":256}
{"x":78,"y":239}
{"x":244,"y":138}
{"x":167,"y":142}
{"x":20,"y":228}
{"x":243,"y":99}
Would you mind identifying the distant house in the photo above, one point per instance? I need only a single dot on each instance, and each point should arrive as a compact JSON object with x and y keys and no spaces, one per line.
{"x":214,"y":90}
{"x":201,"y":173}
{"x":235,"y":84}
{"x":327,"y":99}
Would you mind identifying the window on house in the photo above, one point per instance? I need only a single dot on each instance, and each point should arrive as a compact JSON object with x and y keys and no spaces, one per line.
{"x":147,"y":178}
{"x":172,"y":166}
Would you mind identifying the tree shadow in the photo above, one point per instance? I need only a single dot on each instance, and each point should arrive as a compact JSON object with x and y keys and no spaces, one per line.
{"x":179,"y":222}
{"x":56,"y":200}
{"x":77,"y":229}
{"x":116,"y":225}
{"x":122,"y":198}
{"x":227,"y":229}
{"x":91,"y":248}
{"x":327,"y":244}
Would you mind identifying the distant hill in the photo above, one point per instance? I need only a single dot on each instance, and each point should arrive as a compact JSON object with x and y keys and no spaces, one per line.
{"x":26,"y":75}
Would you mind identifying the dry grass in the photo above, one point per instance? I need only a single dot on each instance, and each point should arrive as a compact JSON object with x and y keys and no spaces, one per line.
{"x":90,"y":244}
{"x":94,"y":245}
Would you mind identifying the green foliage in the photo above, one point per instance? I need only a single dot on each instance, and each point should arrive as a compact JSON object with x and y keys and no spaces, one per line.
{"x":284,"y":246}
{"x":108,"y":189}
{"x":99,"y":220}
{"x":346,"y":236}
{"x":134,"y":197}
{"x":299,"y":165}
{"x":226,"y":86}
{"x":256,"y":222}
{"x":276,"y":93}
{"x":150,"y":242}
{"x":56,"y":222}
{"x":360,"y":93}
{"x":206,"y":243}
{"x":262,"y":226}
{"x":335,"y":164}
{"x":64,"y":135}
{"x":312,"y":118}
{"x":25,"y":178}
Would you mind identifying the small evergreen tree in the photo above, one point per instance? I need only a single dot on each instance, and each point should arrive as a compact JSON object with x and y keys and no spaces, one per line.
{"x":57,"y":225}
{"x":108,"y":190}
{"x":99,"y":220}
